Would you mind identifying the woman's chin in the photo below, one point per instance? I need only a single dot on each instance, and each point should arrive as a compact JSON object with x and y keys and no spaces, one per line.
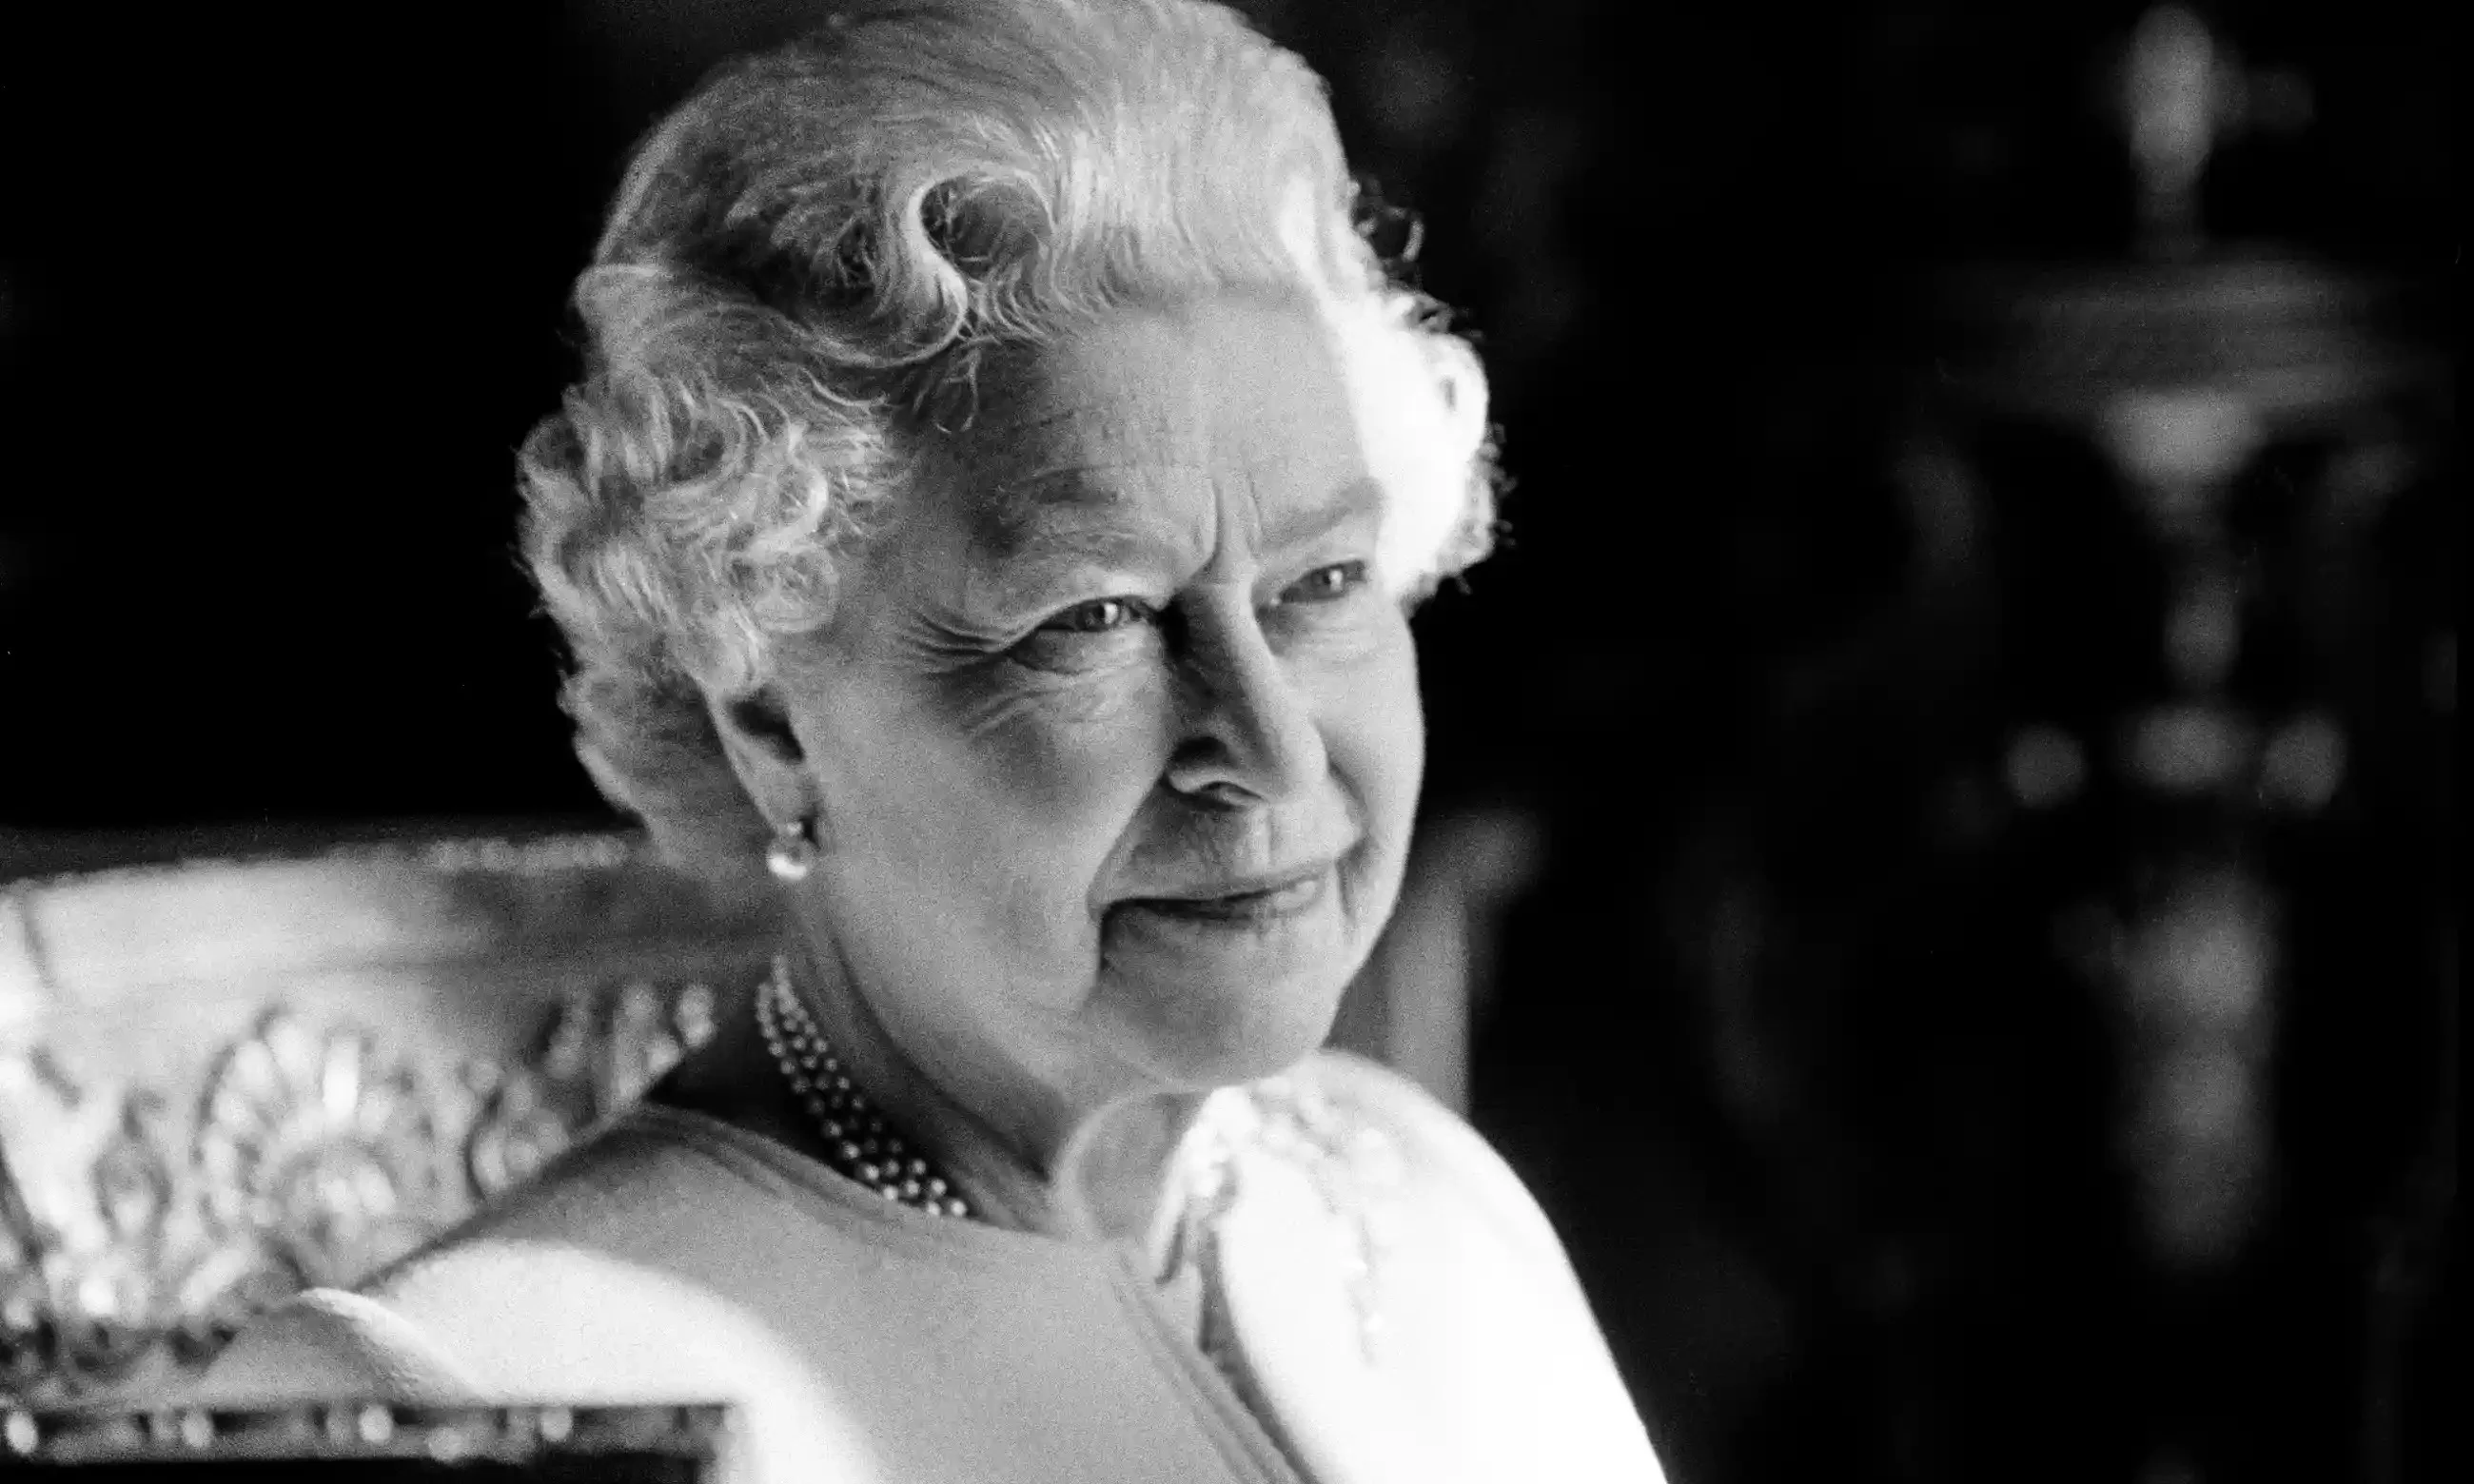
{"x":1214,"y":1012}
{"x":1200,"y":1063}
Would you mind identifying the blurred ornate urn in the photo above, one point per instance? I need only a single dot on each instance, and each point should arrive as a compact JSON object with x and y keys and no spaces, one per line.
{"x":2077,"y":967}
{"x":2255,"y":410}
{"x":2192,"y":480}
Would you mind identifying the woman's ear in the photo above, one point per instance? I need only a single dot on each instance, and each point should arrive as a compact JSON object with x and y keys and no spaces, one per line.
{"x":765,"y":750}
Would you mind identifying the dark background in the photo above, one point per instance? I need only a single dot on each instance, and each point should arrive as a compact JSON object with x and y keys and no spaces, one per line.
{"x":280,"y":297}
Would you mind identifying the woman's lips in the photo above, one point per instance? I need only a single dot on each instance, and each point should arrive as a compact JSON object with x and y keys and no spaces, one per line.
{"x":1285,"y":898}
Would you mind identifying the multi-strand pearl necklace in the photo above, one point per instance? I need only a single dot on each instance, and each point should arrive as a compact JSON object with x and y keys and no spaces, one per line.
{"x":857,"y":1142}
{"x":1354,"y":1169}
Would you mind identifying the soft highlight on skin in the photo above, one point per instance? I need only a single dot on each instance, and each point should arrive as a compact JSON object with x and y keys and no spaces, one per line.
{"x":1121,"y":833}
{"x":810,"y":260}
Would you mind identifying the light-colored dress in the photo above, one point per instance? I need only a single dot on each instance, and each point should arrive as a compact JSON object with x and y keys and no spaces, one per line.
{"x":1384,"y":1304}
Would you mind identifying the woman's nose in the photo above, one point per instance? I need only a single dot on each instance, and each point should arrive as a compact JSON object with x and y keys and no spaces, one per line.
{"x":1250,"y":734}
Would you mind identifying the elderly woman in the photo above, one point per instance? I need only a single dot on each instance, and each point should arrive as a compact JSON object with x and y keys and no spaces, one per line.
{"x":994,"y":503}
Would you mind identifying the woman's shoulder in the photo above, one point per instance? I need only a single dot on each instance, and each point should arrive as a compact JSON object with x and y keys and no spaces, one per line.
{"x":668,"y":1188}
{"x":328,"y":1343}
{"x":499,"y":1321}
{"x":1394,"y":1134}
{"x":1382,"y":1266}
{"x":592,"y":1271}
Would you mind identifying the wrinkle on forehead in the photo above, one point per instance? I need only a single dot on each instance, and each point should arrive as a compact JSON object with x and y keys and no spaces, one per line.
{"x":1088,"y":431}
{"x":1073,"y":509}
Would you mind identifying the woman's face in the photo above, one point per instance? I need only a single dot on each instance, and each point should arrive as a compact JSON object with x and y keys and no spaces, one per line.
{"x":1117,"y":741}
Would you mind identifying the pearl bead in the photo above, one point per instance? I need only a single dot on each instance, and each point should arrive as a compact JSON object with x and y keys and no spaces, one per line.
{"x":858,"y":1142}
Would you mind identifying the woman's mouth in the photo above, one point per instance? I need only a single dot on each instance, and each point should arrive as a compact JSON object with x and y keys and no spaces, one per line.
{"x":1247,"y":905}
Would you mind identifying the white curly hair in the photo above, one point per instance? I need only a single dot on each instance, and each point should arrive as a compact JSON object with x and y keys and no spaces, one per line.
{"x":808,"y":260}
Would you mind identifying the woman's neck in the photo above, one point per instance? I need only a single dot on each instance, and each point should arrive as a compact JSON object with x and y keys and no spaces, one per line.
{"x":1025,"y":1157}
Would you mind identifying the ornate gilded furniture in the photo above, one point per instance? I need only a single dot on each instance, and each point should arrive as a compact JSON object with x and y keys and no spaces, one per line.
{"x":220,"y":1082}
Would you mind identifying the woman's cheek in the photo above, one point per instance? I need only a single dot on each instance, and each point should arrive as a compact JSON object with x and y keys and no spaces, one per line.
{"x":1077,"y":749}
{"x":1374,"y":697}
{"x":1001,"y":695}
{"x":1370,"y":647}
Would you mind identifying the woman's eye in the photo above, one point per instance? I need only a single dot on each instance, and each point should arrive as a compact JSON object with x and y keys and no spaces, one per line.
{"x":1089,"y":637}
{"x":1100,"y":615}
{"x":1325,"y":584}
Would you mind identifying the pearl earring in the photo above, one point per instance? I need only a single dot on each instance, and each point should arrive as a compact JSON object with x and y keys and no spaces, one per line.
{"x":791,"y":853}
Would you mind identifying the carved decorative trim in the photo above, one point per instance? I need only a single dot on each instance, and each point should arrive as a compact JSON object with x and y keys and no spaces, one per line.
{"x":596,"y":1057}
{"x":140,"y":1235}
{"x":656,"y":1438}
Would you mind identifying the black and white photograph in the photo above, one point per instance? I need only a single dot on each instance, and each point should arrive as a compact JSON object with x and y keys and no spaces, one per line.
{"x":1230,"y":742}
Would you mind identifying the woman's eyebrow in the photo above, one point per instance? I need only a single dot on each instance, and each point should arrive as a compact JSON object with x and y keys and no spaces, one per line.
{"x":1029,"y":513}
{"x":1075,"y":544}
{"x":1035,"y":575}
{"x":1036,"y":531}
{"x":1034,"y":534}
{"x":1359,"y":499}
